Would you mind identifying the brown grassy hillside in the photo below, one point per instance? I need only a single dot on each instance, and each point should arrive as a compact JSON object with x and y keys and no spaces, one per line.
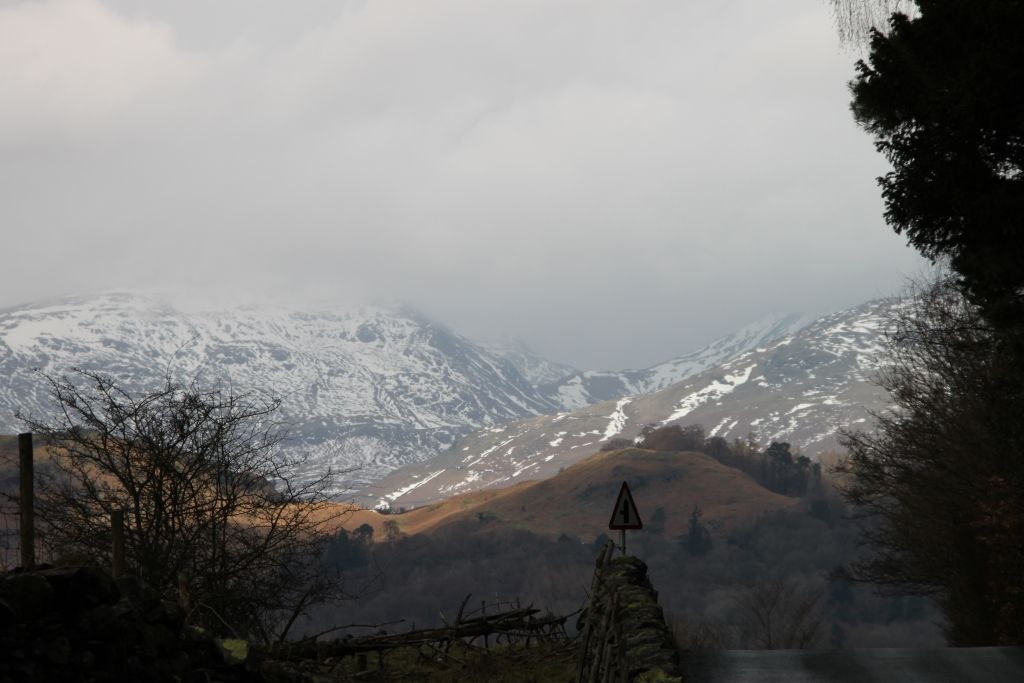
{"x":579,"y":500}
{"x":576,"y":501}
{"x":429,"y":516}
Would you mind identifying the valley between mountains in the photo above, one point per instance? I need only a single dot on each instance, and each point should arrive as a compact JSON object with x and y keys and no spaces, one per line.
{"x":476,"y":472}
{"x":800,"y":388}
{"x":414,"y":412}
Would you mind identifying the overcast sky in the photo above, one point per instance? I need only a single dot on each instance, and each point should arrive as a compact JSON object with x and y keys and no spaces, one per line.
{"x":615,"y":182}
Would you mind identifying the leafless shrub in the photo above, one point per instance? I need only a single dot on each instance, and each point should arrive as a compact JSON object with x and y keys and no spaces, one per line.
{"x":214,"y":516}
{"x":780,"y":614}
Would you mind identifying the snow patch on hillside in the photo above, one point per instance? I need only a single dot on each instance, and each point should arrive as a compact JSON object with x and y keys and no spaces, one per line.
{"x":617,"y":420}
{"x":712,"y":392}
{"x":799,"y":388}
{"x":364,"y":390}
{"x":591,"y":387}
{"x":413,"y":486}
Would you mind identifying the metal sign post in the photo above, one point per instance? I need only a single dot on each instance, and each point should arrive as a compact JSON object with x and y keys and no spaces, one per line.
{"x":27,"y":502}
{"x":625,"y":515}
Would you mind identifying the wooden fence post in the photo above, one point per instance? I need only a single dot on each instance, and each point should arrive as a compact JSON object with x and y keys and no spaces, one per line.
{"x":117,"y":543}
{"x":27,"y":502}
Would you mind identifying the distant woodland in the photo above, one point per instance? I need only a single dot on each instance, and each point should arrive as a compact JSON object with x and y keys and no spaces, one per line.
{"x":713,"y":584}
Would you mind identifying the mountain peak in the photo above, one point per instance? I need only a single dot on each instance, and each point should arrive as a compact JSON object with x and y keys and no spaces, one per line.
{"x":534,"y":367}
{"x":589,"y":387}
{"x":786,"y":381}
{"x":368,"y":386}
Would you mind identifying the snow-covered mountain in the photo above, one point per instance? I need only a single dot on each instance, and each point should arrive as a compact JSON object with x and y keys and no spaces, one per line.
{"x":374,"y":388}
{"x":800,"y":388}
{"x":594,"y":386}
{"x":535,"y":368}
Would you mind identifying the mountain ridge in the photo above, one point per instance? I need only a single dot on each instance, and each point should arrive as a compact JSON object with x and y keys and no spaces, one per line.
{"x":370,"y":387}
{"x":588,"y":387}
{"x":801,"y":388}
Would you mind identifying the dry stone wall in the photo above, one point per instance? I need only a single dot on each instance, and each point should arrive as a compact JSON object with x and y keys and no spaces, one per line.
{"x":624,"y":634}
{"x":79,"y":624}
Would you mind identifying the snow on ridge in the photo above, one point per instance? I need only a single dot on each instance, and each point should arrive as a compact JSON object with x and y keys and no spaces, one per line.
{"x":723,"y":349}
{"x":717,"y":389}
{"x":572,"y":394}
{"x":800,"y":387}
{"x":490,"y":450}
{"x":718,"y":427}
{"x":384,"y":386}
{"x":590,"y":387}
{"x":471,"y":477}
{"x":523,"y":469}
{"x":617,"y":420}
{"x":413,"y":486}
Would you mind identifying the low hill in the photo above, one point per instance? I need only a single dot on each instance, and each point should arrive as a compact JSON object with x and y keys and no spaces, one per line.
{"x":579,"y":500}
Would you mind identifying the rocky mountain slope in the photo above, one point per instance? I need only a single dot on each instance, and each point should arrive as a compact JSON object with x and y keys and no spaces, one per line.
{"x":372,"y":388}
{"x":572,"y":389}
{"x":800,"y":388}
{"x":586,"y":388}
{"x":535,"y":368}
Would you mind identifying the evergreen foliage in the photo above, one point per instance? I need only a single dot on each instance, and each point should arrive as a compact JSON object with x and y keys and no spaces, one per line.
{"x":942,"y":96}
{"x":425,"y":577}
{"x":776,"y":468}
{"x":942,"y":476}
{"x":698,"y":538}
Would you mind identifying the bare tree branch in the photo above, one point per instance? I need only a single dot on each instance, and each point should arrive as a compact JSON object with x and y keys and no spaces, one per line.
{"x":856,"y":19}
{"x":209,"y":497}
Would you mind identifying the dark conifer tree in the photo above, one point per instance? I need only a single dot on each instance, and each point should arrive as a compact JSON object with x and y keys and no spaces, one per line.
{"x":698,"y":538}
{"x":941,"y":94}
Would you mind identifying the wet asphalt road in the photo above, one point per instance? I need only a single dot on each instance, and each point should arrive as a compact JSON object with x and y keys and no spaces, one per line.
{"x":949,"y":665}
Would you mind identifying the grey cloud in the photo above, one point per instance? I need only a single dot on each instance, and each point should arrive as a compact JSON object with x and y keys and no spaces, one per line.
{"x":614,"y":182}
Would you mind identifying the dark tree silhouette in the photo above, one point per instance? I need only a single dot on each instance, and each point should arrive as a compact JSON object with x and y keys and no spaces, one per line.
{"x":392,"y":532}
{"x":941,"y":95}
{"x":779,"y":613}
{"x":941,"y":479}
{"x":656,"y":524}
{"x":698,"y":538}
{"x":673,"y":438}
{"x":363,"y":534}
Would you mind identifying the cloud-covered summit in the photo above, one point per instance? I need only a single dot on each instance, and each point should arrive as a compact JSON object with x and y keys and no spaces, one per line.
{"x":612,"y":182}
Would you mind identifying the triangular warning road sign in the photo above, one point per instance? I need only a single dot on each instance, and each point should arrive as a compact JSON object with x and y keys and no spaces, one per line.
{"x":624,"y":515}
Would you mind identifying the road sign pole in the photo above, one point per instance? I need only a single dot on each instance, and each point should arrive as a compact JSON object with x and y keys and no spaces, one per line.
{"x":26,"y":502}
{"x":624,"y":515}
